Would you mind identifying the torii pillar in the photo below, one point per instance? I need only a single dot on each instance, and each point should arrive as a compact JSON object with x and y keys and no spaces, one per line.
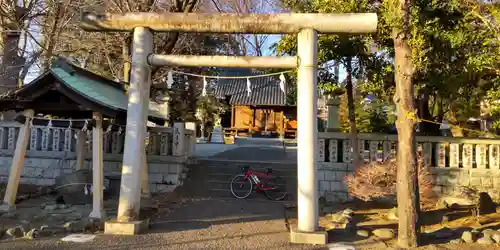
{"x":307,"y":26}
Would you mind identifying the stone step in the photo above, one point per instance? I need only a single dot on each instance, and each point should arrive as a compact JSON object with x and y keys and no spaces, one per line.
{"x":213,"y":178}
{"x":240,"y":170}
{"x":226,"y":185}
{"x":216,"y":190}
{"x":257,"y":168}
{"x":217,"y":183}
{"x":230,"y":176}
{"x":219,"y":192}
{"x":230,"y":173}
{"x":253,"y":165}
{"x":254,"y":196}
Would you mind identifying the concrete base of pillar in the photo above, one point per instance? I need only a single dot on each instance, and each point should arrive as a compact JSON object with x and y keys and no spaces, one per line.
{"x":315,"y":238}
{"x":125,"y":228}
{"x":5,"y":208}
{"x":97,"y":215}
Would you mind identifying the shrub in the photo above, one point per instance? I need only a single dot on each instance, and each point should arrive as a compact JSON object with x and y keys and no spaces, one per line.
{"x":377,"y":180}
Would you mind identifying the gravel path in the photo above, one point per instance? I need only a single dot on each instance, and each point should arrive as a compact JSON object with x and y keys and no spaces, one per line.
{"x":216,"y":223}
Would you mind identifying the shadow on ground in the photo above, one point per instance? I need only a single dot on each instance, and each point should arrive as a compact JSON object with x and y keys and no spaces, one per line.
{"x":207,"y":212}
{"x":187,"y":241}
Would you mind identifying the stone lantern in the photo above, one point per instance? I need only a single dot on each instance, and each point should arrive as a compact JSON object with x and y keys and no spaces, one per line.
{"x":333,"y":106}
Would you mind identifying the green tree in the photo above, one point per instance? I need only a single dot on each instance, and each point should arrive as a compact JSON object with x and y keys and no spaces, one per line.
{"x":487,"y":16}
{"x":450,"y":52}
{"x":435,"y":58}
{"x":210,"y":107}
{"x":349,"y":51}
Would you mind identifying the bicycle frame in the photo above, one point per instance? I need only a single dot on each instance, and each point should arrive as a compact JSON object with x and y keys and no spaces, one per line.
{"x":251,"y":174}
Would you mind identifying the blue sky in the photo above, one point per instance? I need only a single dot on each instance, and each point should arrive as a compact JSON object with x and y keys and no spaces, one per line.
{"x":275,"y":38}
{"x":269,"y":42}
{"x":34,"y":70}
{"x":265,"y":7}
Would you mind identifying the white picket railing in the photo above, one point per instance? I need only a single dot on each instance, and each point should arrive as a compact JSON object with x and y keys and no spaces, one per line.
{"x":453,"y":162}
{"x":437,"y":151}
{"x":51,"y":152}
{"x":52,"y":139}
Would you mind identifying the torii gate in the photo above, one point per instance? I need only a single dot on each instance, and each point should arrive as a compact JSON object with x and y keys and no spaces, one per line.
{"x":143,"y":24}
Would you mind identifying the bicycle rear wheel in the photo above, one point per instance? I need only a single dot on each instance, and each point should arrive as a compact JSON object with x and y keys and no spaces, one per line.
{"x":241,"y":188}
{"x":278,"y":191}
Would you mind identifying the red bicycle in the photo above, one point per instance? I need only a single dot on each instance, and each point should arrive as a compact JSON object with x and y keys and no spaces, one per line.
{"x":242,"y":185}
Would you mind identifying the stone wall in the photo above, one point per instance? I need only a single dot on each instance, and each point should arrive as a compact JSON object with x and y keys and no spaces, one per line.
{"x":453,"y":162}
{"x":483,"y":180}
{"x":41,"y":168}
{"x":331,"y":181}
{"x":445,"y":180}
{"x":51,"y":152}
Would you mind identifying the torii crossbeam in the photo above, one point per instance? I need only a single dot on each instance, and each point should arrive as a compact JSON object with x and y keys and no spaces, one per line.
{"x":306,"y":25}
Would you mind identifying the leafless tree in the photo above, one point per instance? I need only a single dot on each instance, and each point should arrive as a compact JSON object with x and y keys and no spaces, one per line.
{"x":244,"y":44}
{"x":34,"y":31}
{"x":15,"y":19}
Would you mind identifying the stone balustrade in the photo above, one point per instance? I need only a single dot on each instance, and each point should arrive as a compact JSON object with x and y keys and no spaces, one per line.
{"x":471,"y":162}
{"x":53,"y":151}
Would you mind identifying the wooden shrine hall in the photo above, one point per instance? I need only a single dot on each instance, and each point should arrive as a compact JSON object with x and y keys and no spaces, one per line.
{"x":66,"y":90}
{"x":263,"y":111}
{"x":73,"y":98}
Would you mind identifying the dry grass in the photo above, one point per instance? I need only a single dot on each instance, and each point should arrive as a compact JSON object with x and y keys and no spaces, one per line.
{"x":378,"y":180}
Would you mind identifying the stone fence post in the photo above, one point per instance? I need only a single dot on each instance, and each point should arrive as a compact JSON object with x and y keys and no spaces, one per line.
{"x":179,"y":139}
{"x":333,"y":122}
{"x":191,"y":143}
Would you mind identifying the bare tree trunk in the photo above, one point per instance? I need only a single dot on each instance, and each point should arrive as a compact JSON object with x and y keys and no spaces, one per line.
{"x":49,"y":41}
{"x":12,"y":63}
{"x":126,"y":59}
{"x":127,"y":65}
{"x":257,"y":45}
{"x":243,"y":45}
{"x":185,"y":6}
{"x":25,"y":69}
{"x":10,"y":60}
{"x":407,"y":171}
{"x":440,"y":111}
{"x":336,"y":70}
{"x":428,"y":129}
{"x":352,"y":113}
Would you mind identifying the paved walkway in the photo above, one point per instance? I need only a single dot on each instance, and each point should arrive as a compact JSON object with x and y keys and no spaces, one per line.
{"x":254,"y":149}
{"x":204,"y":223}
{"x":196,"y":224}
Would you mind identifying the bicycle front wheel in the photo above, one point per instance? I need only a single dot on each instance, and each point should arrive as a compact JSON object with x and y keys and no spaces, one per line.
{"x":278,"y":191}
{"x":241,"y":187}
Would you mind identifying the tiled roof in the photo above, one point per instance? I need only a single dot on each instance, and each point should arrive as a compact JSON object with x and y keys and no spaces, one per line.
{"x":266,"y":91}
{"x":108,"y":93}
{"x":89,"y":85}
